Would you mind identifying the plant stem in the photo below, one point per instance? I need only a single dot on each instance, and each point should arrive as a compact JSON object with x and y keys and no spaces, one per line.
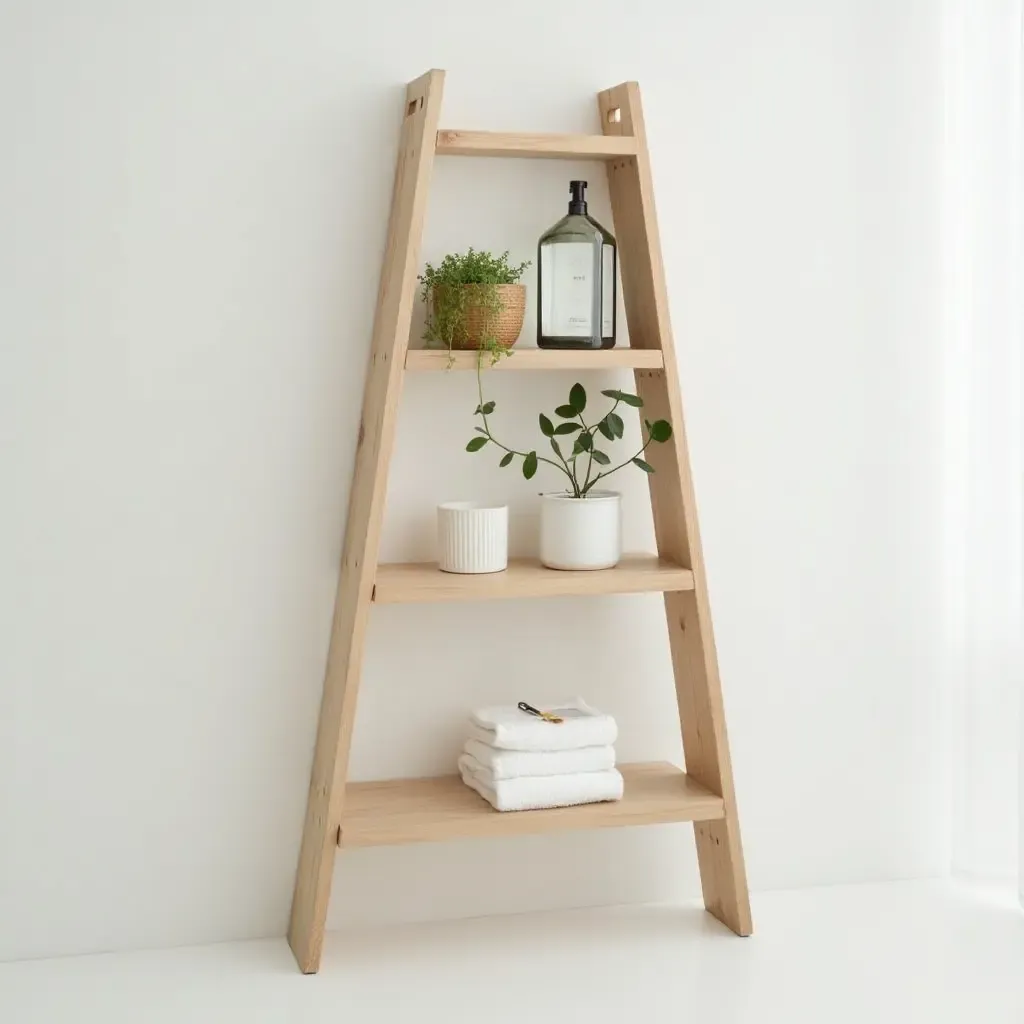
{"x":590,"y":460}
{"x":592,"y":431}
{"x":621,"y":465}
{"x":568,"y":472}
{"x":494,"y":440}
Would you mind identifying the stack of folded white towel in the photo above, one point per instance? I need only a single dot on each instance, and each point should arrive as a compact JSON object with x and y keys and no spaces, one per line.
{"x":519,"y":761}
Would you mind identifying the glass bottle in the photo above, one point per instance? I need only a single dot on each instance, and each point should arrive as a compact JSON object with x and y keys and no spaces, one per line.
{"x":576,"y":273}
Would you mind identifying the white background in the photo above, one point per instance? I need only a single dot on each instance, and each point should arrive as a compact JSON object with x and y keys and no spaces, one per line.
{"x":984,"y":454}
{"x":193,"y":200}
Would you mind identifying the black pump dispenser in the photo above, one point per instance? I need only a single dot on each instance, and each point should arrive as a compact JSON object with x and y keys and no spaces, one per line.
{"x":578,"y":191}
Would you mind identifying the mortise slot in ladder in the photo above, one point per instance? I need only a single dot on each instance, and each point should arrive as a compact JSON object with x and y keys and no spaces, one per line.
{"x":419,"y":810}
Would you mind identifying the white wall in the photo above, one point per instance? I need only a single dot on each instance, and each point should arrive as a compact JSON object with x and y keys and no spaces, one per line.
{"x":984,"y":268}
{"x":192,"y":203}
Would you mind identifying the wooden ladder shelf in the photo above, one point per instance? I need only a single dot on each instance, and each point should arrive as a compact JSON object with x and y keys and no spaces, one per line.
{"x":419,"y":810}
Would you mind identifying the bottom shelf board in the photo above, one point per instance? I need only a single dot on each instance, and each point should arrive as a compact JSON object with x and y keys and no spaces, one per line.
{"x":399,"y":811}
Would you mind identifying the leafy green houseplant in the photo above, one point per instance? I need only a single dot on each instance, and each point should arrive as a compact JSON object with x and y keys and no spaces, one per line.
{"x":574,"y":442}
{"x":581,"y":526}
{"x":474,"y":301}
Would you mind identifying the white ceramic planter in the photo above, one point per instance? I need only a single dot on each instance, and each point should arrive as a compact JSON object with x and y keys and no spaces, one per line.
{"x":472,"y":537}
{"x":581,"y":533}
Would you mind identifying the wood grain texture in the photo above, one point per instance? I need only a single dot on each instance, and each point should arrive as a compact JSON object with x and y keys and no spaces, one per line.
{"x":423,"y":582}
{"x":365,"y":514}
{"x":451,"y":142}
{"x":402,"y":811}
{"x":538,"y":359}
{"x":695,"y":662}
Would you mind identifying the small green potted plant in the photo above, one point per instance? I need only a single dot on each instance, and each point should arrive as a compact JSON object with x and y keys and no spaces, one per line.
{"x":581,"y":526}
{"x":474,"y":301}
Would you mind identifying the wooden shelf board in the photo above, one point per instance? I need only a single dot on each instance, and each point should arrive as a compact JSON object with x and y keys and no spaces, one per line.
{"x":421,"y":359}
{"x":400,"y":583}
{"x":400,"y":811}
{"x":452,"y":142}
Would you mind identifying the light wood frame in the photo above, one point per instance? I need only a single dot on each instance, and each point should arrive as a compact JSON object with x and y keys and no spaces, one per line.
{"x":422,"y":810}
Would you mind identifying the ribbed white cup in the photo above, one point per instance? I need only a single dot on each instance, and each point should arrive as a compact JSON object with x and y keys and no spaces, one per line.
{"x":472,"y":537}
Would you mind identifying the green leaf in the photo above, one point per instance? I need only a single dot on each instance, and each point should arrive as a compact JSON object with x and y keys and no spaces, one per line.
{"x":615,"y":422}
{"x":480,"y":430}
{"x":567,"y":428}
{"x":476,"y":444}
{"x":578,"y":398}
{"x":585,"y":441}
{"x":487,"y":408}
{"x":546,"y":427}
{"x":506,"y":459}
{"x":567,"y":412}
{"x":624,"y":396}
{"x":530,"y":465}
{"x":555,"y":447}
{"x":605,"y":427}
{"x":645,"y":466}
{"x":600,"y":458}
{"x":660,"y":431}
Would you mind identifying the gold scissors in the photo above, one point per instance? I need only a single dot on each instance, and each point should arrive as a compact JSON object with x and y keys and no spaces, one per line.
{"x":546,"y":715}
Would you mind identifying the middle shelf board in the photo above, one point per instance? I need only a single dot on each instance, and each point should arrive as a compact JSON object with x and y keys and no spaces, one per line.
{"x":421,"y":582}
{"x":539,"y":359}
{"x":399,"y":811}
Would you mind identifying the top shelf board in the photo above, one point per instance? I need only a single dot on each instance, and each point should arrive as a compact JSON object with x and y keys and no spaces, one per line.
{"x":535,"y":146}
{"x":539,"y":359}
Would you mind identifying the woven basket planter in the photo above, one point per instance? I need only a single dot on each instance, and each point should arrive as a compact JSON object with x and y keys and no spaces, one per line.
{"x":479,"y":322}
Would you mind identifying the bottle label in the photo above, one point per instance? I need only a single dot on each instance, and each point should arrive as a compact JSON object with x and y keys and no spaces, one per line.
{"x":567,"y":289}
{"x":607,"y":291}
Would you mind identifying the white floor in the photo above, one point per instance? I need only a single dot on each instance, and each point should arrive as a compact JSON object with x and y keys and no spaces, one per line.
{"x":902,"y":952}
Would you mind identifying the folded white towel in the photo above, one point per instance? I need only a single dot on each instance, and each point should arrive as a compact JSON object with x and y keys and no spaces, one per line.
{"x":542,"y":790}
{"x":511,"y":729}
{"x":517,"y":764}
